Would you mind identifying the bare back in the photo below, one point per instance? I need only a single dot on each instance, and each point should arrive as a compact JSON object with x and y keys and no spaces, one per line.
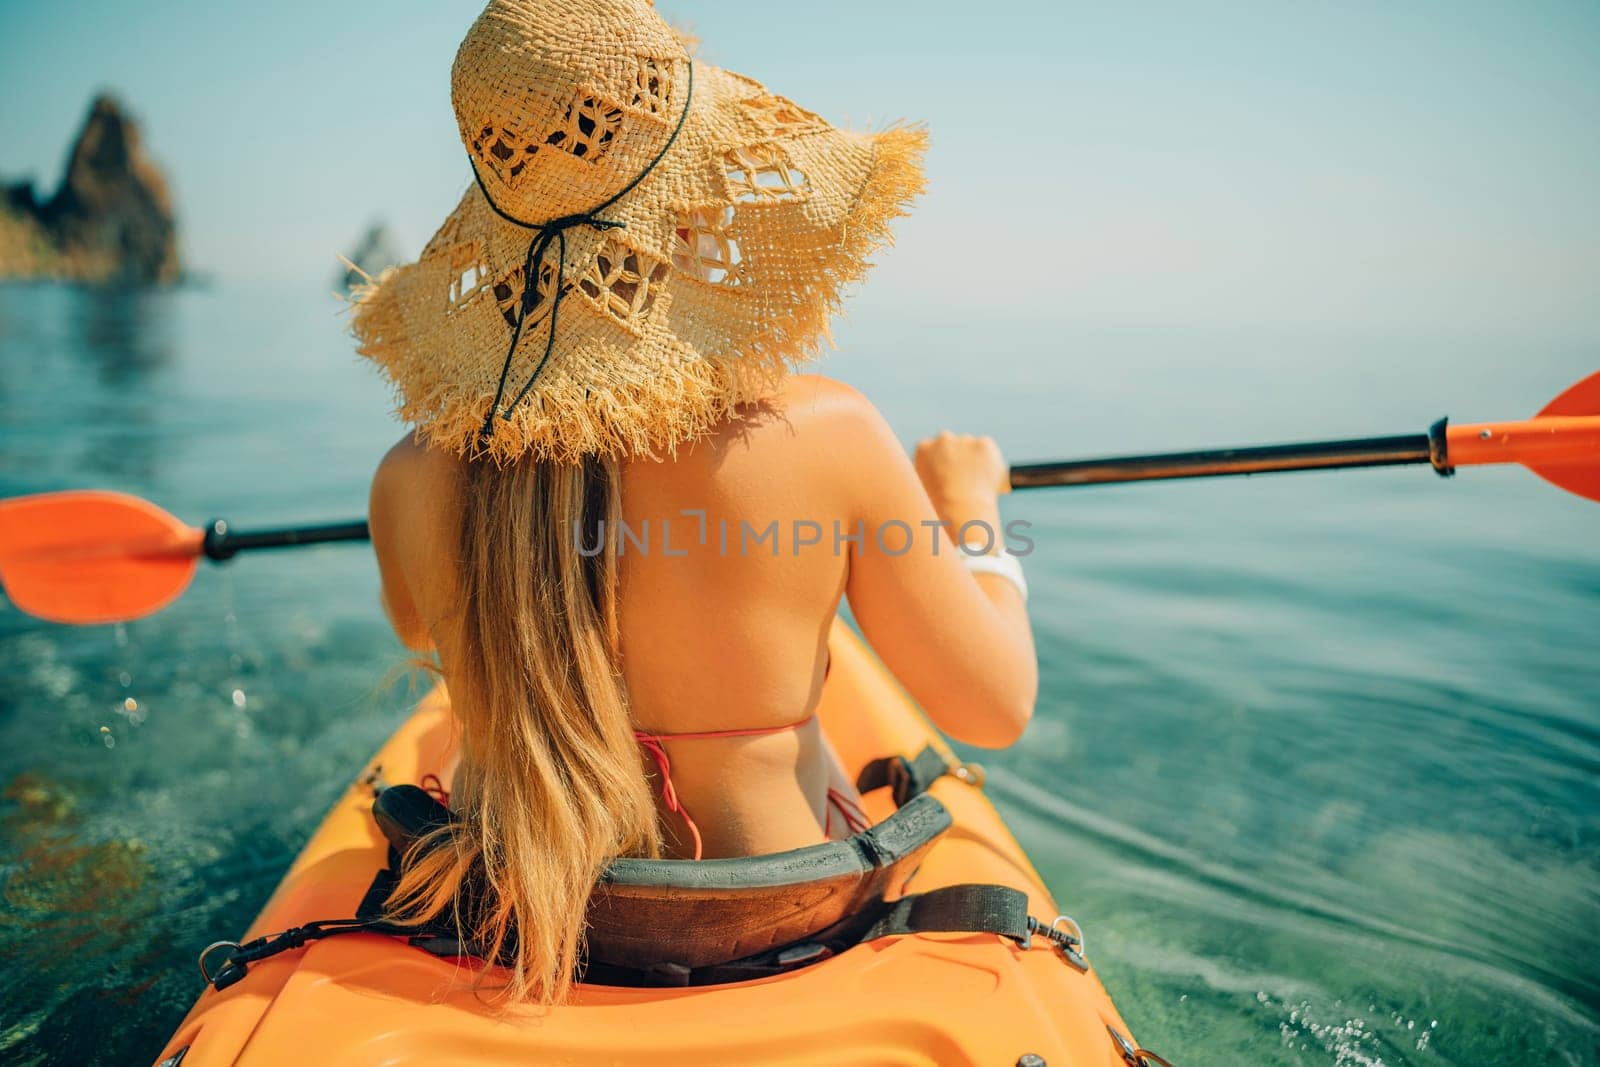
{"x":734,"y":557}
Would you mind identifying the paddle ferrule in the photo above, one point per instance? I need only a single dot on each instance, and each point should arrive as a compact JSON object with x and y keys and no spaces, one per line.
{"x":223,"y":542}
{"x":1439,"y":448}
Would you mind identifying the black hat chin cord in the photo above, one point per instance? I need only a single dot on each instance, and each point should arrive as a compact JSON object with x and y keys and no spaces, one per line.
{"x":546,"y":234}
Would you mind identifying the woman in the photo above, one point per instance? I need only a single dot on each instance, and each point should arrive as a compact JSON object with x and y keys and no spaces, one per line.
{"x":620,"y":520}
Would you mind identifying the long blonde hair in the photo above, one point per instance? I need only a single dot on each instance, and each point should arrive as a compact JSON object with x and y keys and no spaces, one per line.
{"x":552,"y":785}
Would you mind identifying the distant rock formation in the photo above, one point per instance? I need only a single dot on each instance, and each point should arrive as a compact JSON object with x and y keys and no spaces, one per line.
{"x":111,"y":219}
{"x":374,"y":254}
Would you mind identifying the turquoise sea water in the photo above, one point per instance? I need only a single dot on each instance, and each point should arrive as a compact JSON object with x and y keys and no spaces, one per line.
{"x":1316,"y":764}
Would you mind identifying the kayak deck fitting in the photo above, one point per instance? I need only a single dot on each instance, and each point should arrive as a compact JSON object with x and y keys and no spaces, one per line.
{"x":928,"y":998}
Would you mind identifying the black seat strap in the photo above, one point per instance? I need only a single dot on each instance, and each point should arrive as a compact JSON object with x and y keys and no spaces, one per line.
{"x":977,"y":908}
{"x":237,"y":964}
{"x":966,"y":909}
{"x":908,"y":777}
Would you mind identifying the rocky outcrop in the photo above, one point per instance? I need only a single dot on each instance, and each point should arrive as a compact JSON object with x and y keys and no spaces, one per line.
{"x":374,"y":254}
{"x":111,"y":219}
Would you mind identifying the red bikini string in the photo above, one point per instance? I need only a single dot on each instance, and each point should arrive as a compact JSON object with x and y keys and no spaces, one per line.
{"x":652,"y":744}
{"x":435,"y":788}
{"x":669,"y":792}
{"x":855,"y":820}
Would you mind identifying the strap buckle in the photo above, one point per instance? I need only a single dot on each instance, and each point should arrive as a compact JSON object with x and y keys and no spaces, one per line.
{"x":1069,"y":942}
{"x":1075,"y":933}
{"x":209,"y":949}
{"x":1132,"y":1054}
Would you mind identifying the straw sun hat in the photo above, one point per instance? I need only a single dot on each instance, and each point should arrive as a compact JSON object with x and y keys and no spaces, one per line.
{"x":688,"y":232}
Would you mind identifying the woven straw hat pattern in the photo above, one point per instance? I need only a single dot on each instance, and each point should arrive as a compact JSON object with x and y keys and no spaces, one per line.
{"x":740,"y":217}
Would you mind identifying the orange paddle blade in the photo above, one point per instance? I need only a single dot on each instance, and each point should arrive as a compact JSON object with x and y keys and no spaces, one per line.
{"x":1561,"y":444}
{"x":92,"y":556}
{"x":1581,"y":478}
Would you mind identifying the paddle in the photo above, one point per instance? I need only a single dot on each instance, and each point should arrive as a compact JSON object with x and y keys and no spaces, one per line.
{"x":94,"y":557}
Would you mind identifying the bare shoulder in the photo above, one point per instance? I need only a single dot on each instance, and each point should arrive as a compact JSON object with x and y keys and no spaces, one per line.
{"x":815,"y":395}
{"x":809,"y":413}
{"x":829,"y":411}
{"x":415,"y":496}
{"x":811,"y":431}
{"x":411,"y":469}
{"x":841,"y":438}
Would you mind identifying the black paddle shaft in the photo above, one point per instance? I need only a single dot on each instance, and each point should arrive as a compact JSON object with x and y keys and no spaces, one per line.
{"x":1311,"y":455}
{"x":223,"y":542}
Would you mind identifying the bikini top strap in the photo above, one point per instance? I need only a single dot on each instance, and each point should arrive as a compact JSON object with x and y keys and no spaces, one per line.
{"x":709,"y":735}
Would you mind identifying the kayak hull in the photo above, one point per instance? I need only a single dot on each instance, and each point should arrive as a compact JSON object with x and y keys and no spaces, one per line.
{"x":928,"y":999}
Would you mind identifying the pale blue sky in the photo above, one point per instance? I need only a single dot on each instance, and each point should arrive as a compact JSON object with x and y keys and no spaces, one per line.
{"x":1427,"y":167}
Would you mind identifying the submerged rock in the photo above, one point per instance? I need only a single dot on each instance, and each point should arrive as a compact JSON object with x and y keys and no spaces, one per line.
{"x":374,"y":254}
{"x":111,"y":219}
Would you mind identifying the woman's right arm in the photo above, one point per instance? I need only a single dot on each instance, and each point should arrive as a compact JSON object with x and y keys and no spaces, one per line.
{"x":960,"y":642}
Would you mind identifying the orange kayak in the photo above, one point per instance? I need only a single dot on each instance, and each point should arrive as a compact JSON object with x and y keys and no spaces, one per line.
{"x":920,"y":999}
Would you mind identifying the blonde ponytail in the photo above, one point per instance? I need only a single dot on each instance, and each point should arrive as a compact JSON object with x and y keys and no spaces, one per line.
{"x":552,"y":786}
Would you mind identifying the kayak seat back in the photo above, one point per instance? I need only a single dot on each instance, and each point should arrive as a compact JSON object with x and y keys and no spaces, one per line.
{"x":693,"y":913}
{"x":653,"y":920}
